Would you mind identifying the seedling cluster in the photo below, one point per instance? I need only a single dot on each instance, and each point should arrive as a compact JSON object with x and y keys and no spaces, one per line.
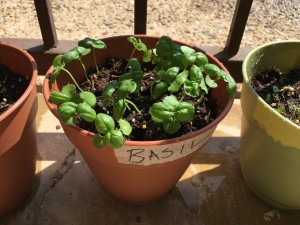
{"x":177,"y":69}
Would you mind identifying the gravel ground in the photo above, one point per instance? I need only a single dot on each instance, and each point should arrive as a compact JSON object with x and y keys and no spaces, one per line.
{"x":199,"y":22}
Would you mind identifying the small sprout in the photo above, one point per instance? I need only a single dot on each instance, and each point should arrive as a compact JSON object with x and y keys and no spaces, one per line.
{"x":268,"y":98}
{"x":276,"y":89}
{"x":280,"y":110}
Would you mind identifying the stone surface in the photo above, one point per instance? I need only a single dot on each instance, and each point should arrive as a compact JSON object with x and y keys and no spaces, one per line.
{"x":199,"y":22}
{"x":212,"y":190}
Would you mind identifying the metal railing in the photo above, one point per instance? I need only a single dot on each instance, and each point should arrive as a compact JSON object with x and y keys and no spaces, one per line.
{"x":44,"y":51}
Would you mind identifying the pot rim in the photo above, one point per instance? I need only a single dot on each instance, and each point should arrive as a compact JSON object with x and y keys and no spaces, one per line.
{"x":246,"y":79}
{"x":31,"y":85}
{"x":53,"y":108}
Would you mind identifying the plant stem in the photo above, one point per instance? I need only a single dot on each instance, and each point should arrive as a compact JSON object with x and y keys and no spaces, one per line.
{"x":183,"y":96}
{"x":84,"y":71}
{"x":130,"y":58}
{"x":95,"y":61}
{"x":71,"y":76}
{"x":136,"y":108}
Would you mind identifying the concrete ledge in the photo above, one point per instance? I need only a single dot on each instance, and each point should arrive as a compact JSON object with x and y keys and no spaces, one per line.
{"x":212,"y":191}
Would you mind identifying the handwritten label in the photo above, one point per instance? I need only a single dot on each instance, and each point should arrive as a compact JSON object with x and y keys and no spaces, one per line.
{"x":149,"y":155}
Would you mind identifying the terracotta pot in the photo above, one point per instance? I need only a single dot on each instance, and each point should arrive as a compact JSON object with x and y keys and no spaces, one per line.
{"x":141,"y":171}
{"x":270,"y":150}
{"x":18,"y":147}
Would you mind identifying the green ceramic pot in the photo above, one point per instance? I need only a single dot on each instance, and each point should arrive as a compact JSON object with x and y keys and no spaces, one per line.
{"x":270,"y":143}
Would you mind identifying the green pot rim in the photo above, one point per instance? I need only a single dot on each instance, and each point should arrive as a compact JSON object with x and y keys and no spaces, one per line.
{"x":246,"y":79}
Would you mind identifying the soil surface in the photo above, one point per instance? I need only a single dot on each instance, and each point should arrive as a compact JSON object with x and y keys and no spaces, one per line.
{"x":281,"y":91}
{"x":143,"y":128}
{"x":12,"y":86}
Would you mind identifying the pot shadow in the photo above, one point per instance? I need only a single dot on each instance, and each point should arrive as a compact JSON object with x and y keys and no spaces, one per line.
{"x":66,"y":192}
{"x":212,"y":191}
{"x":215,"y":191}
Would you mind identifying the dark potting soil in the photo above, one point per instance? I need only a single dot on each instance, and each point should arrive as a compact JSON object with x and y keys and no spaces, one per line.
{"x":12,"y":86}
{"x":143,"y":127}
{"x":280,"y":90}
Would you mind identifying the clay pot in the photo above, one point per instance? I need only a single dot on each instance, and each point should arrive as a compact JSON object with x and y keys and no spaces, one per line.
{"x":140,"y":171}
{"x":270,"y":150}
{"x":18,"y":146}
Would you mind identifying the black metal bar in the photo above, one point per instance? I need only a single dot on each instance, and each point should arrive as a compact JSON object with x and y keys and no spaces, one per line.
{"x":140,"y":16}
{"x":238,"y":24}
{"x":45,"y":18}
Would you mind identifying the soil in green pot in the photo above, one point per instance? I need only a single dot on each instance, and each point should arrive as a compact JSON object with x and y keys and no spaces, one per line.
{"x":143,"y":127}
{"x":281,"y":90}
{"x":12,"y":86}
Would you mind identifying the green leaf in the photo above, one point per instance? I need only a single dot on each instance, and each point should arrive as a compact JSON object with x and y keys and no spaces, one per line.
{"x":70,"y":55}
{"x":156,"y":120}
{"x":275,"y":89}
{"x":147,"y":55}
{"x":54,"y":74}
{"x":58,"y":97}
{"x":127,"y":87}
{"x":134,"y":75}
{"x":140,"y":46}
{"x":86,"y":112}
{"x":187,"y":50}
{"x":159,"y":75}
{"x":67,"y":111}
{"x":82,"y":50}
{"x":70,"y":121}
{"x":171,"y":74}
{"x":88,"y":97}
{"x":212,"y":69}
{"x":164,"y":47}
{"x":108,"y":92}
{"x":210,"y":83}
{"x":134,"y":64}
{"x":280,"y":110}
{"x":58,"y":65}
{"x":231,"y":88}
{"x":189,"y":57}
{"x":57,"y":62}
{"x":176,"y":85}
{"x":201,"y":59}
{"x":203,"y":86}
{"x":159,"y":89}
{"x":191,"y":88}
{"x":89,"y":43}
{"x":185,"y":112}
{"x":99,"y":44}
{"x":171,"y":101}
{"x":171,"y":127}
{"x":125,"y":127}
{"x":114,"y":139}
{"x":98,"y":141}
{"x":69,"y":90}
{"x":119,"y":109}
{"x":196,"y":74}
{"x":161,"y":111}
{"x":86,"y":42}
{"x":104,"y":123}
{"x":132,"y":40}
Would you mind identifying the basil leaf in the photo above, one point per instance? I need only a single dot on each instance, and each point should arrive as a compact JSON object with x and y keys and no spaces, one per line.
{"x":104,"y":123}
{"x":125,"y":127}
